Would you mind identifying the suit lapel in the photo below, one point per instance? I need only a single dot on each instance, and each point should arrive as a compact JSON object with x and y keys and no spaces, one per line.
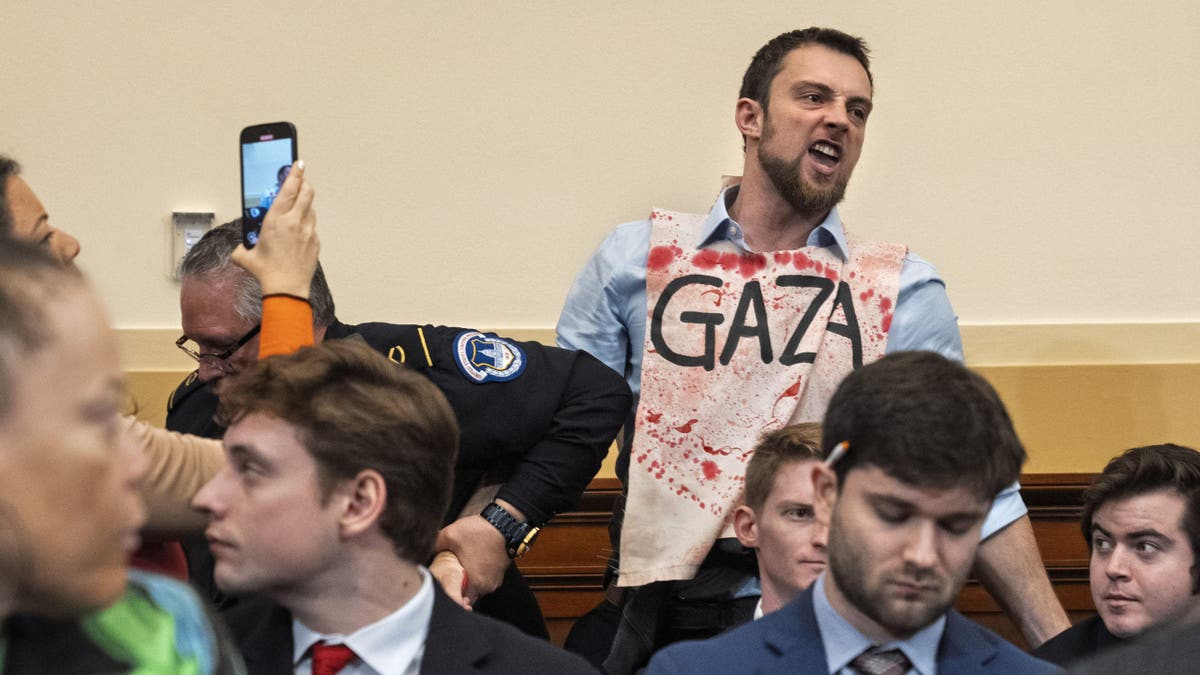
{"x":453,"y":645}
{"x":264,"y":634}
{"x":963,"y":649}
{"x":793,"y":641}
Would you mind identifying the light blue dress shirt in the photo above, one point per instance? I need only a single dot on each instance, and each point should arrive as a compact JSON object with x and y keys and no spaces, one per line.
{"x":605,"y":310}
{"x":843,"y":643}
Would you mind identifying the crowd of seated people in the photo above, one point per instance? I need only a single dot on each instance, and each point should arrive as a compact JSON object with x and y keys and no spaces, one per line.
{"x":352,"y":498}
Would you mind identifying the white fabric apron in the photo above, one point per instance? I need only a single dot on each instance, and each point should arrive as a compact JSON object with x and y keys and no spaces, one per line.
{"x":737,"y":344}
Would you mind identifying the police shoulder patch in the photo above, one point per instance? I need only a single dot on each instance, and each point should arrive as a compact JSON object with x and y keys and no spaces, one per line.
{"x":488,"y":358}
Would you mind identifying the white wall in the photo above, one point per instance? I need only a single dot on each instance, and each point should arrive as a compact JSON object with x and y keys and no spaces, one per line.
{"x":469,"y":156}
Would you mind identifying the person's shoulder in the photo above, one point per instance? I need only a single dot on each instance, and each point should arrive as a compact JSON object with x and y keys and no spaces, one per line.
{"x":459,"y":639}
{"x":626,"y":244}
{"x":1007,"y":657}
{"x":1076,"y":642}
{"x":1165,"y":651}
{"x":734,"y":649}
{"x":190,"y":407}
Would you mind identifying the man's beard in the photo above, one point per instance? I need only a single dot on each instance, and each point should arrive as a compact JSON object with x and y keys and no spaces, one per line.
{"x":808,"y":200}
{"x":851,"y":572}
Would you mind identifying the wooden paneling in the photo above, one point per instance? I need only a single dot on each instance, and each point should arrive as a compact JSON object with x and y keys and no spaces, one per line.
{"x":566,"y":566}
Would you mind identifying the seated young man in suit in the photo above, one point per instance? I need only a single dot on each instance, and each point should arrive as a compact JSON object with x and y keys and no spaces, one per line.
{"x":1141,"y":520}
{"x":339,"y":470}
{"x":777,"y":517}
{"x":923,"y":446}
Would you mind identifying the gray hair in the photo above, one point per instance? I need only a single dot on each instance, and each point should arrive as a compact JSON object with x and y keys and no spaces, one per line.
{"x":211,"y":255}
{"x":8,"y":167}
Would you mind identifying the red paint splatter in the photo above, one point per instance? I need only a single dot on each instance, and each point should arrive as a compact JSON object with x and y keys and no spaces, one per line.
{"x":792,"y":390}
{"x":865,"y":295}
{"x":653,"y":417}
{"x":750,"y":263}
{"x":730,"y":261}
{"x":686,"y":428}
{"x":800,"y":261}
{"x":706,"y":259}
{"x":661,"y":256}
{"x":831,"y":273}
{"x":783,"y":257}
{"x":718,"y":293}
{"x":886,"y":324}
{"x":885,"y":305}
{"x":711,"y":450}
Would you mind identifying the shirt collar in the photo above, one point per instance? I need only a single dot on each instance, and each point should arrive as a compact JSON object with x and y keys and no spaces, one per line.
{"x":843,"y":642}
{"x":718,"y":226}
{"x":386,"y":646}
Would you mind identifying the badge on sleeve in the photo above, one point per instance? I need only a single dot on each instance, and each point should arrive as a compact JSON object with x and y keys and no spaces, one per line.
{"x":487,"y":358}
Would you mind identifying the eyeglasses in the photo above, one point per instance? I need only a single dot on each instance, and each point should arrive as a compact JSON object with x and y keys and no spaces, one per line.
{"x":220,"y":356}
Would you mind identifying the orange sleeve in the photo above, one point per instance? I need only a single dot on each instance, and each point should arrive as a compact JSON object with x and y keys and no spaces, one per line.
{"x":287,"y":325}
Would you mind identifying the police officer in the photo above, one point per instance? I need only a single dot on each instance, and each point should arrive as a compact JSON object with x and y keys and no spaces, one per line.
{"x":537,"y":419}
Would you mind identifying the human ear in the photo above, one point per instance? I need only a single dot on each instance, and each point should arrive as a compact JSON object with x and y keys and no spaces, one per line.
{"x":366,"y":498}
{"x":748,"y":115}
{"x":745,"y":526}
{"x":825,"y":485}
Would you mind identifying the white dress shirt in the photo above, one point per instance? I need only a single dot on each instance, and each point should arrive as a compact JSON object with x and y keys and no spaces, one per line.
{"x":394,"y":645}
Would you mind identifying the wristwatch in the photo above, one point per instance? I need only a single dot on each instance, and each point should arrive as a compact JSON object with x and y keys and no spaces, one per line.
{"x":518,"y":536}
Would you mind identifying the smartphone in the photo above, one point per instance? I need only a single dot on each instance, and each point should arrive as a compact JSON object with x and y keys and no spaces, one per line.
{"x":267,"y":154}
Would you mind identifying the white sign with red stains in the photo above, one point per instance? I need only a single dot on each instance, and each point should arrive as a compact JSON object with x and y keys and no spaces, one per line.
{"x":737,"y":343}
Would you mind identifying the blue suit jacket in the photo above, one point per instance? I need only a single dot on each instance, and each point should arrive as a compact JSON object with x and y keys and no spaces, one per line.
{"x":788,"y":641}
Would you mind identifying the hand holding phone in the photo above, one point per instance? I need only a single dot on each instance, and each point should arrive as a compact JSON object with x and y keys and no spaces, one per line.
{"x":267,"y":154}
{"x":286,"y":257}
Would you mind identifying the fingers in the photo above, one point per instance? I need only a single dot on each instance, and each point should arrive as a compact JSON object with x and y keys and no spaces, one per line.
{"x":290,"y":188}
{"x":305,"y":198}
{"x":240,"y":256}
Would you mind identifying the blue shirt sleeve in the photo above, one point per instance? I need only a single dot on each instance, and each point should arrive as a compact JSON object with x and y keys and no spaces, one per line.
{"x":605,"y":310}
{"x":924,"y":319}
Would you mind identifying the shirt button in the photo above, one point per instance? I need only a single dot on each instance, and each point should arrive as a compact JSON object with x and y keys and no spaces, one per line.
{"x":732,"y":231}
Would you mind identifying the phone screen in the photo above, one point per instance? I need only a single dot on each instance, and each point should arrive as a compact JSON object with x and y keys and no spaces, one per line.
{"x":268,"y":151}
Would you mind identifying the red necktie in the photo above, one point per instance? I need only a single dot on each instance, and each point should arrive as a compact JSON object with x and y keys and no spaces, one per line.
{"x":330,"y":659}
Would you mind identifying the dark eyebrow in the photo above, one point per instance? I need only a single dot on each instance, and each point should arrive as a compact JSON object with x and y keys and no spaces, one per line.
{"x":809,"y":84}
{"x":1148,"y":533}
{"x":862,"y":101}
{"x":248,"y":453}
{"x":889,"y":500}
{"x":827,"y":91}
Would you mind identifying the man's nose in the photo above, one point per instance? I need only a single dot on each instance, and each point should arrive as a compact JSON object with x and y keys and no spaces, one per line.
{"x":921,"y":549}
{"x":1117,"y":565}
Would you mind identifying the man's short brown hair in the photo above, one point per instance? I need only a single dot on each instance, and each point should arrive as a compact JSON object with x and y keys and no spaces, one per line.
{"x":1147,"y":469}
{"x":793,"y":443}
{"x":355,"y":410}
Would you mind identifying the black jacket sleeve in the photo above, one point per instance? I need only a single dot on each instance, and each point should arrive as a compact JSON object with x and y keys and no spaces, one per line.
{"x":550,"y":425}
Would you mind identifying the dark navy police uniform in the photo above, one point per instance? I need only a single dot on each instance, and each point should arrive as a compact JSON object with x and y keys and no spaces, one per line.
{"x":541,"y":416}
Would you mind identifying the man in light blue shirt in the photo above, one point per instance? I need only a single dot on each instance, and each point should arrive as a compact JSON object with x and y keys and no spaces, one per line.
{"x":922,"y":445}
{"x":802,"y":113}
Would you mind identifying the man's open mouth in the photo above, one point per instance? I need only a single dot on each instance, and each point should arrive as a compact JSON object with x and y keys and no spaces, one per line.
{"x":825,"y":153}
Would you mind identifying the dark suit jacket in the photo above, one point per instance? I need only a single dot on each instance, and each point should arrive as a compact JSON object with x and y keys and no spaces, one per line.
{"x":459,"y":642}
{"x":1083,"y":639}
{"x":1174,"y":651}
{"x":788,"y":641}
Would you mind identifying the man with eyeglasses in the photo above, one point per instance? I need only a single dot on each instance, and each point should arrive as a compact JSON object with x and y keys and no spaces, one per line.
{"x":536,"y":419}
